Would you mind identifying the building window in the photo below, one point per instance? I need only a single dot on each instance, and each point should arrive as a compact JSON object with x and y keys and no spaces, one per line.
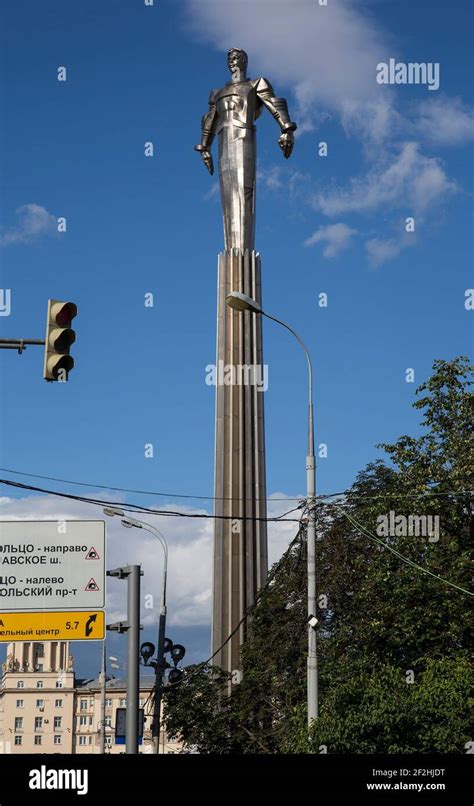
{"x":58,"y":703}
{"x":108,"y":703}
{"x":84,"y":740}
{"x":108,"y":741}
{"x":20,"y":684}
{"x":20,"y":703}
{"x":39,"y":667}
{"x":40,"y":703}
{"x":39,"y":684}
{"x":38,"y":722}
{"x":18,"y":740}
{"x":123,"y":703}
{"x":57,"y":739}
{"x":83,"y":705}
{"x":108,"y":721}
{"x":57,"y":722}
{"x":140,"y":702}
{"x":82,"y":720}
{"x":18,"y":723}
{"x":38,"y":739}
{"x":59,"y":683}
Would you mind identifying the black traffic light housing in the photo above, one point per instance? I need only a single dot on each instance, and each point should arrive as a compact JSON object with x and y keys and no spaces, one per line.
{"x":59,"y":338}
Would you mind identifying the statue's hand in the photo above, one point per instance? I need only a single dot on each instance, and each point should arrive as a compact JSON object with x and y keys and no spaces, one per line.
{"x":208,"y":161}
{"x":286,"y":142}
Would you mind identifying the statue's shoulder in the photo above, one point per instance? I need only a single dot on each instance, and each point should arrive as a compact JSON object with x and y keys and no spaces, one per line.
{"x":262,"y":85}
{"x":213,"y":95}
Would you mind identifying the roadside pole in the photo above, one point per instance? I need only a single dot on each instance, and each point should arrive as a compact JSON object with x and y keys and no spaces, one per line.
{"x":103,"y":691}
{"x":132,"y":626}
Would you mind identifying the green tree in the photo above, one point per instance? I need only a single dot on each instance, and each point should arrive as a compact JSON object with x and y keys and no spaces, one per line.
{"x":383,"y":621}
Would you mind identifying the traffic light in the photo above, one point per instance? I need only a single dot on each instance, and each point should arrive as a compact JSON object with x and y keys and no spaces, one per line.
{"x":59,"y":337}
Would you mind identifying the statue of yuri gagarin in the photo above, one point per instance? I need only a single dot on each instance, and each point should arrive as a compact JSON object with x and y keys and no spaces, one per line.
{"x":232,"y":113}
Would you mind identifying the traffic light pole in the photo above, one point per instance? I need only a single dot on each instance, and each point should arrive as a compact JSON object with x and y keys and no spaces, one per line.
{"x":19,"y":344}
{"x":132,"y":627}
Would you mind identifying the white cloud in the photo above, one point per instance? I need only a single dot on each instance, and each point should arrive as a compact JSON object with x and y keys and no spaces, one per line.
{"x":445,"y":121}
{"x":190,"y":554}
{"x":380,"y":250}
{"x":337,"y":237}
{"x":33,"y":222}
{"x":271,"y":178}
{"x":409,"y":179}
{"x":213,"y":193}
{"x":328,"y":54}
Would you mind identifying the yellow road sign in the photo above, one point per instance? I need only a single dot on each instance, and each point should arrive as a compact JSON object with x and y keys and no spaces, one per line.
{"x":70,"y":625}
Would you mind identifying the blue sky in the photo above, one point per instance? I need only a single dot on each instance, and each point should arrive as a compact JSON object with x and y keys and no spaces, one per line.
{"x":137,"y":225}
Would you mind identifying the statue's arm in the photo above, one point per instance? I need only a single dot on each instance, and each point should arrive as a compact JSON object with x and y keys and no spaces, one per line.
{"x":278,"y":107}
{"x":208,"y":132}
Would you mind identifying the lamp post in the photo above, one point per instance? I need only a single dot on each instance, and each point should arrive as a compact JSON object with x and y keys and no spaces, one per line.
{"x":103,"y":694}
{"x":241,"y":302}
{"x":160,"y":666}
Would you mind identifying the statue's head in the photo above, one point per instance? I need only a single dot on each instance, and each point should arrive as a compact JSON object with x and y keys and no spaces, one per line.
{"x":237,"y":60}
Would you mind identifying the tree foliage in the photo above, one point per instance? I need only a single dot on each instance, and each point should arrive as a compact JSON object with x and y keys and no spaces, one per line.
{"x":393,"y":641}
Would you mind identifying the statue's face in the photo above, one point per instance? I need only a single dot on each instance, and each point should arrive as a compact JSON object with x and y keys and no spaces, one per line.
{"x":236,"y":62}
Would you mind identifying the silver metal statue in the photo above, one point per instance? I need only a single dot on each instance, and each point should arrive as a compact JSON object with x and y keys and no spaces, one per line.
{"x":232,"y":113}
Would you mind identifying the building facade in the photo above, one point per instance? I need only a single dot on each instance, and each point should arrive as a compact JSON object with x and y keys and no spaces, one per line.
{"x":37,"y":698}
{"x":45,"y":709}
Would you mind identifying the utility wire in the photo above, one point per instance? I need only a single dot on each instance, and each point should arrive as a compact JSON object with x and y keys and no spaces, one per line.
{"x":139,"y":492}
{"x":247,"y":613}
{"x":360,"y":528}
{"x":279,"y":519}
{"x":220,"y":498}
{"x":368,"y":534}
{"x":136,"y":508}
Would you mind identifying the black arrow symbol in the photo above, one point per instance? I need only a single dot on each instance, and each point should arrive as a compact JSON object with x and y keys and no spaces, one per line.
{"x":89,"y":624}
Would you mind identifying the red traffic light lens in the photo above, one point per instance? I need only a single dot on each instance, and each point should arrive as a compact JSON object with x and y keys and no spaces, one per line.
{"x":65,"y":314}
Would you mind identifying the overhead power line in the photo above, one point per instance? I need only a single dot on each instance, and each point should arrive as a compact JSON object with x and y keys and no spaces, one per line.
{"x":249,"y":610}
{"x":404,"y":559}
{"x":138,"y":492}
{"x":323,"y":497}
{"x":136,"y":508}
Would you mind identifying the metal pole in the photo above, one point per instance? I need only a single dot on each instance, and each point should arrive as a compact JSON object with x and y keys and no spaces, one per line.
{"x":159,"y":671}
{"x":103,"y":684}
{"x":133,"y":635}
{"x":15,"y":342}
{"x":312,"y":661}
{"x":313,"y":706}
{"x":160,"y":666}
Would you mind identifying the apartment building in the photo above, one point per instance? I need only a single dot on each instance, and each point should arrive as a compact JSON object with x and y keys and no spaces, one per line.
{"x":88,"y":710}
{"x":45,"y":709}
{"x":37,"y":698}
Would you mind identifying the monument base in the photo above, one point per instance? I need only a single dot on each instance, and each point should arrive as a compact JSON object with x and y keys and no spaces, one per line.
{"x":240,"y":533}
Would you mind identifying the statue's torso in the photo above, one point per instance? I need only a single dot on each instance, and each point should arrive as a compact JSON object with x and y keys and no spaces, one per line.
{"x":237,"y":104}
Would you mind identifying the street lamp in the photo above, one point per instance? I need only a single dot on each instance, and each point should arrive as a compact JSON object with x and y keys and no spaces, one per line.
{"x":241,"y":302}
{"x":160,"y":666}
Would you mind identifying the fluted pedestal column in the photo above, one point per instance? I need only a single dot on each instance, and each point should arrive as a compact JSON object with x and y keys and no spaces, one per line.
{"x":240,"y":537}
